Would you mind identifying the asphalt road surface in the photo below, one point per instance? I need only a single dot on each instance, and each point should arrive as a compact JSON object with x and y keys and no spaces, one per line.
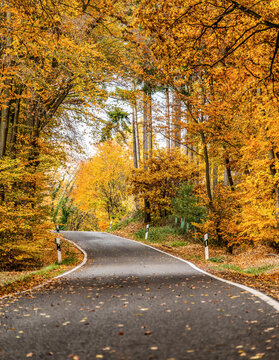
{"x":132,"y":302}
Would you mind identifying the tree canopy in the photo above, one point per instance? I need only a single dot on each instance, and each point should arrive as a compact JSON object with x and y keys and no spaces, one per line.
{"x":191,"y":77}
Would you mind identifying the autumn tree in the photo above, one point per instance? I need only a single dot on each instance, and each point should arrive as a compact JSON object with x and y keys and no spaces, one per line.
{"x":221,"y":57}
{"x":101,"y":185}
{"x":159,"y":181}
{"x":55,"y":60}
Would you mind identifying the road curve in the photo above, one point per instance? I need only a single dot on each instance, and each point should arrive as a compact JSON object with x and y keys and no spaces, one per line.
{"x":131,"y":302}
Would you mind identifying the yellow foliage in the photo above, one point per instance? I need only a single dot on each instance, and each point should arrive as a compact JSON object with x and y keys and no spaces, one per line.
{"x":157,"y":180}
{"x":24,"y":222}
{"x":101,"y":183}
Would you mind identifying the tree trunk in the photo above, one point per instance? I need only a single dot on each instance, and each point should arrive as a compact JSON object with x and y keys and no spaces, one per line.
{"x":150,"y":125}
{"x":208,"y":190}
{"x":168,"y":132}
{"x":228,"y":174}
{"x":137,"y":133}
{"x":14,"y":128}
{"x":5,"y":111}
{"x":271,"y":157}
{"x":145,"y":129}
{"x":147,"y":216}
{"x":176,"y":120}
{"x":215,"y":179}
{"x":5,"y":114}
{"x":135,"y":152}
{"x":207,"y":171}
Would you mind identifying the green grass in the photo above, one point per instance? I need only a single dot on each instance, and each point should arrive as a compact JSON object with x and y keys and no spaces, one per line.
{"x":260,"y":270}
{"x":123,"y":223}
{"x":69,"y":261}
{"x":42,"y":272}
{"x":218,"y":259}
{"x":230,"y":267}
{"x":252,"y":270}
{"x":178,"y":243}
{"x":156,"y":234}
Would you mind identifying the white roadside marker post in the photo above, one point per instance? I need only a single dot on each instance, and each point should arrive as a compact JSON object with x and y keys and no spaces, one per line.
{"x":110,"y":225}
{"x":58,"y":244}
{"x":57,"y":240}
{"x":206,"y":246}
{"x":146,"y":231}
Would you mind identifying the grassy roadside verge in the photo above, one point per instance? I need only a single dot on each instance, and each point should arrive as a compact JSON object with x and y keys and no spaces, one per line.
{"x":250,"y":266}
{"x":15,"y":281}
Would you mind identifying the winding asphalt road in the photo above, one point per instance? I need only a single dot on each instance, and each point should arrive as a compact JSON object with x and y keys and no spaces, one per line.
{"x":132,"y":302}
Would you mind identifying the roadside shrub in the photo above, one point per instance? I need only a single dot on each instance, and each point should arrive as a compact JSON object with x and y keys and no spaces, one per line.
{"x":156,"y":234}
{"x":186,"y":205}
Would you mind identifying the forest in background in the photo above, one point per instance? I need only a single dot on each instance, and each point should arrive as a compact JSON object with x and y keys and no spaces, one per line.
{"x":182,"y":100}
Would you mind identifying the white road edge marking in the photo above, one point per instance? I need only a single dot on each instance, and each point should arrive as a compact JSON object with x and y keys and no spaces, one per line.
{"x":56,"y":277}
{"x":263,"y":297}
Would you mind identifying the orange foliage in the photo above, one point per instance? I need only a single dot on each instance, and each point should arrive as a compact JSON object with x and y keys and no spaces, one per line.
{"x":157,"y":181}
{"x":101,"y":183}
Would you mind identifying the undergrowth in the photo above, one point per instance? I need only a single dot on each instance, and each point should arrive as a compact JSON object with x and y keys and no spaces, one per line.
{"x":252,"y":270}
{"x":156,"y":234}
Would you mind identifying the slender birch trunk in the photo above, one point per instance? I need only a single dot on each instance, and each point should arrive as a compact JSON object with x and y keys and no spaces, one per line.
{"x":137,"y":133}
{"x":177,"y":120}
{"x":135,"y":152}
{"x":145,"y":129}
{"x":168,"y":132}
{"x":150,"y":125}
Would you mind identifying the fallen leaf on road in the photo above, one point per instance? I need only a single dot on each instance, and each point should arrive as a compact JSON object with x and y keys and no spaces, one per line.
{"x":269,"y":329}
{"x":257,"y":356}
{"x":29,"y":355}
